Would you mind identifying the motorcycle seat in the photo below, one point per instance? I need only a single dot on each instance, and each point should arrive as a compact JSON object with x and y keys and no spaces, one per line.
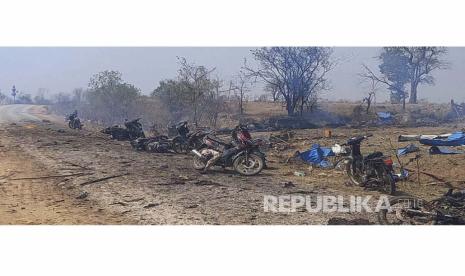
{"x":218,"y":140}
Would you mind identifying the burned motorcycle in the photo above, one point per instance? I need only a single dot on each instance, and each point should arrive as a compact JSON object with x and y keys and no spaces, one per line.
{"x":193,"y":140}
{"x":448,"y":209}
{"x":157,"y":144}
{"x":245,"y":156}
{"x":183,"y":140}
{"x":133,"y":130}
{"x":117,"y":133}
{"x":372,"y":171}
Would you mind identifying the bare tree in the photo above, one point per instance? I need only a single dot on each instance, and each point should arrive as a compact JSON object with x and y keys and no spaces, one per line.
{"x":297,"y":73}
{"x":397,"y":86}
{"x":371,"y":94}
{"x":214,"y":102}
{"x":273,"y":91}
{"x":3,"y":98}
{"x":242,"y":84}
{"x":197,"y":81}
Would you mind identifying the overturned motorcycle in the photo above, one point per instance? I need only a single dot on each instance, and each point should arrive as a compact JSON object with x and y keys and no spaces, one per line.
{"x":132,"y":130}
{"x":157,"y":144}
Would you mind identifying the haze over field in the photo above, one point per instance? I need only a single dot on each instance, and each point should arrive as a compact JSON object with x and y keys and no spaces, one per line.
{"x":61,"y":69}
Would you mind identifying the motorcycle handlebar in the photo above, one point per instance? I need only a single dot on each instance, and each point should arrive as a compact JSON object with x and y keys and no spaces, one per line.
{"x":364,"y":137}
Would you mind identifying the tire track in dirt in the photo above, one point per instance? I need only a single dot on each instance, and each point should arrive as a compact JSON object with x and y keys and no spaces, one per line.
{"x":159,"y":188}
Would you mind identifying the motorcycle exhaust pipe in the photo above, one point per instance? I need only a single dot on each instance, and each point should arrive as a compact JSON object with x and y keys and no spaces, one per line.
{"x":197,"y":153}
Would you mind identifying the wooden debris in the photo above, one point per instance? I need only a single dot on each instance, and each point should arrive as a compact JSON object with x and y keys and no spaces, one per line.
{"x":102,"y":179}
{"x":51,"y":176}
{"x":439,"y":178}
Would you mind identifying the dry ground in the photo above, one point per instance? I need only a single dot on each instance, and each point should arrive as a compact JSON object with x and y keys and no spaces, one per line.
{"x":158,"y":188}
{"x":47,"y":174}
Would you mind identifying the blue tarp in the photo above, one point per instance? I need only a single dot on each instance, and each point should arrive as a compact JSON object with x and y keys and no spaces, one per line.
{"x":316,"y":156}
{"x":443,"y":150}
{"x":408,"y":149}
{"x":456,"y":139}
{"x":385,"y":117}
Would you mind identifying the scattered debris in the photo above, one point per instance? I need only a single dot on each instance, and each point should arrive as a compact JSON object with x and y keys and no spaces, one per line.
{"x":327,"y":133}
{"x":282,"y":137}
{"x":436,"y":177}
{"x":408,"y":149}
{"x":299,"y":174}
{"x":288,"y":184}
{"x":82,"y":195}
{"x":102,"y":179}
{"x":119,"y":203}
{"x":204,"y":182}
{"x":408,"y":138}
{"x":444,"y":150}
{"x":317,"y":156}
{"x":134,"y":199}
{"x":385,"y":118}
{"x":158,"y":144}
{"x":151,"y":205}
{"x":455,"y":139}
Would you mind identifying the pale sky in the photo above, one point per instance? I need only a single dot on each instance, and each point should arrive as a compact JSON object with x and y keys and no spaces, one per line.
{"x":64,"y":68}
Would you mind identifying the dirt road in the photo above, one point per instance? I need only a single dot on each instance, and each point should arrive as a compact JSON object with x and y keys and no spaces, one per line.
{"x":54,"y":175}
{"x":141,"y":188}
{"x":17,"y":113}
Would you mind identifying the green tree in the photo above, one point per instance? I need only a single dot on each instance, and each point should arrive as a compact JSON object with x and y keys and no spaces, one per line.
{"x":174,"y":95}
{"x":413,"y":65}
{"x":110,"y":98}
{"x":191,"y":93}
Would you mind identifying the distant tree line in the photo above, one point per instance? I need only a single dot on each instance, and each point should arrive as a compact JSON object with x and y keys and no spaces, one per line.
{"x":293,"y":76}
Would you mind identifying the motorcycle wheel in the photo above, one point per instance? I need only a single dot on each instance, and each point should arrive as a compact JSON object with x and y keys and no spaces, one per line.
{"x":389,"y":184}
{"x":354,"y":177}
{"x":179,"y":147}
{"x":70,"y":125}
{"x":252,"y":166}
{"x":198,"y":163}
{"x":399,"y":214}
{"x":78,"y":125}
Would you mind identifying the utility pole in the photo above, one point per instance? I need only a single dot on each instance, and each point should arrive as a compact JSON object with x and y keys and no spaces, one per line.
{"x":13,"y":93}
